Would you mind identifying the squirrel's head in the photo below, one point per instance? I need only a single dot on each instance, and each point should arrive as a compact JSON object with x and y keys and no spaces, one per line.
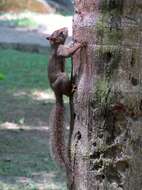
{"x":58,"y":37}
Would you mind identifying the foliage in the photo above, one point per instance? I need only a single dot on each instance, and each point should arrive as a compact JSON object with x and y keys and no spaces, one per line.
{"x":16,"y":5}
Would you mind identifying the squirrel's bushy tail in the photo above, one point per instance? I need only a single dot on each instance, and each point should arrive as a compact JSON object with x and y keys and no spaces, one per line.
{"x":58,"y":146}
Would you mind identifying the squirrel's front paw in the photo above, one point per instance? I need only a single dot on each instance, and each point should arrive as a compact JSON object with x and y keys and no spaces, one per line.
{"x":83,"y":44}
{"x":74,"y":88}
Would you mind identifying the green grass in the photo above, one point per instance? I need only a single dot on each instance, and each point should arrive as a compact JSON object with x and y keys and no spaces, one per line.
{"x":25,"y":152}
{"x":24,"y":22}
{"x":22,"y":154}
{"x":1,"y":76}
{"x":30,"y":186}
{"x":24,"y":70}
{"x":20,"y":22}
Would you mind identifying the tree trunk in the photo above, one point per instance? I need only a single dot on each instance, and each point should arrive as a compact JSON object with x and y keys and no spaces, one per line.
{"x":106,"y":142}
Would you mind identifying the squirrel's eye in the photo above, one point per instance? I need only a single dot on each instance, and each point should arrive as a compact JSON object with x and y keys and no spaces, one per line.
{"x":61,"y":33}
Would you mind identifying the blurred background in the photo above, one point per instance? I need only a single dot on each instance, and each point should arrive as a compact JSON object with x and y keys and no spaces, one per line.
{"x":26,"y":99}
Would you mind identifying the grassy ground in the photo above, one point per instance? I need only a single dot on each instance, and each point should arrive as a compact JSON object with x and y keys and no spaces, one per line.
{"x":19,"y":22}
{"x":25,"y":105}
{"x":23,"y":70}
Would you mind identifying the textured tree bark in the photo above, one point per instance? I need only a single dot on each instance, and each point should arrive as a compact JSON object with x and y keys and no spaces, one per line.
{"x":106,"y":143}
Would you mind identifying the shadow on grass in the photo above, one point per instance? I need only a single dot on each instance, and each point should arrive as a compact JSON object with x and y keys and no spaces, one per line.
{"x":25,"y":161}
{"x":27,"y":110}
{"x":24,"y":110}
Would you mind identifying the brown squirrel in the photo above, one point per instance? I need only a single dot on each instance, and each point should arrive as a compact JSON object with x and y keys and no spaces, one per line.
{"x":61,"y":85}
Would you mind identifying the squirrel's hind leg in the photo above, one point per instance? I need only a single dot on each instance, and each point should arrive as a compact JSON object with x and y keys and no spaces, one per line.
{"x":63,"y":85}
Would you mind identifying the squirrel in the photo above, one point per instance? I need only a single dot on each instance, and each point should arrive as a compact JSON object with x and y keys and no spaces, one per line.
{"x":61,"y":85}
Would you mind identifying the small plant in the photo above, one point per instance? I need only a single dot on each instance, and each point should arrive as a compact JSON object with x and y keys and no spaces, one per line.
{"x":2,"y":76}
{"x":25,"y":22}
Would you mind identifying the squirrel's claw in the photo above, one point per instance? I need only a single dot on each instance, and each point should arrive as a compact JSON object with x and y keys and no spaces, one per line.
{"x":74,"y":88}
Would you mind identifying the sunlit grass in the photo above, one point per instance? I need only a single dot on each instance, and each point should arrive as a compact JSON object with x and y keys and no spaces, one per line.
{"x":24,"y":22}
{"x":32,"y":186}
{"x":4,"y":186}
{"x":19,"y":22}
